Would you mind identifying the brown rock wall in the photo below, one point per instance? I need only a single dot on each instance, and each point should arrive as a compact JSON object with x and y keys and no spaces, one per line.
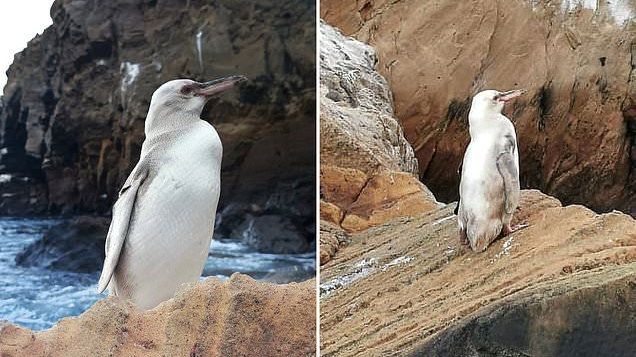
{"x":576,"y":60}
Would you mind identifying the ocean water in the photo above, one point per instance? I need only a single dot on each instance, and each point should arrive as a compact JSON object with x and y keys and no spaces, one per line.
{"x":37,"y":298}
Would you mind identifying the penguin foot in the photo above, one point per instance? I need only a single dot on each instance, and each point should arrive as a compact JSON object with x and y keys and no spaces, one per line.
{"x":463,"y":238}
{"x":513,"y":228}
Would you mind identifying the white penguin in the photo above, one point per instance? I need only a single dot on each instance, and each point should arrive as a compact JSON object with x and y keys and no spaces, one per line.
{"x":489,"y":186}
{"x":163,"y":220}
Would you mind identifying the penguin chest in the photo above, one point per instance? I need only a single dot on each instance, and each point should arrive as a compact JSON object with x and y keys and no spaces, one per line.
{"x":188,"y":194}
{"x":173,"y":223}
{"x":481,"y":186}
{"x":479,"y":161}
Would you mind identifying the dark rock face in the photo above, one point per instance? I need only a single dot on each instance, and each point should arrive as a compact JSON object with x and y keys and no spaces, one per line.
{"x":74,"y":245}
{"x":285,"y":223}
{"x":579,"y":324}
{"x":274,"y":234}
{"x":290,"y":275}
{"x":76,"y":98}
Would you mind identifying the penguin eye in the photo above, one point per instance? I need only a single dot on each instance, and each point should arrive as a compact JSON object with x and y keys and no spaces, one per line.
{"x":187,"y":89}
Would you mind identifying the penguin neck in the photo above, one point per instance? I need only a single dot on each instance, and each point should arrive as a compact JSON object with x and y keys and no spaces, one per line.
{"x":480,"y":120}
{"x":165,"y":118}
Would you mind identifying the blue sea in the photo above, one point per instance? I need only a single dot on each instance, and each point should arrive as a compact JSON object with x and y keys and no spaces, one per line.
{"x":37,"y":298}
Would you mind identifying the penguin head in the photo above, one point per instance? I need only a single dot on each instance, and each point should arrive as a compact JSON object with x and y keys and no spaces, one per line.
{"x":493,"y":101}
{"x":189,"y":95}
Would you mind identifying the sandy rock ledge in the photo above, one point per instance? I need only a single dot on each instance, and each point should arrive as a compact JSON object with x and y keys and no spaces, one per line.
{"x":237,"y":317}
{"x":563,"y":286}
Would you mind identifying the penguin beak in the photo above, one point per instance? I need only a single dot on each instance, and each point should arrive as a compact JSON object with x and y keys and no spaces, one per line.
{"x":212,"y":88}
{"x":506,"y":96}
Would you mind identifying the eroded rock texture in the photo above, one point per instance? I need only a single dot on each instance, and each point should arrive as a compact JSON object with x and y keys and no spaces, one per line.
{"x":357,"y":126}
{"x":357,"y":201}
{"x":563,"y":286}
{"x":76,"y":99}
{"x":368,"y":169}
{"x":575,"y":125}
{"x":237,"y":317}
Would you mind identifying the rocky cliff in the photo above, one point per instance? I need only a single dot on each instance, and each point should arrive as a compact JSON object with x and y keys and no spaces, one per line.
{"x":577,"y":58}
{"x":395,"y":280}
{"x":237,"y":317}
{"x":76,"y":98}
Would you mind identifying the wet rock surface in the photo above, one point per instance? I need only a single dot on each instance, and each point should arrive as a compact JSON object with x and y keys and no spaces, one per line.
{"x":76,"y":99}
{"x":236,"y":317}
{"x":75,"y":245}
{"x":576,"y":58}
{"x":274,"y":234}
{"x":385,"y":196}
{"x":284,"y":223}
{"x":562,"y":286}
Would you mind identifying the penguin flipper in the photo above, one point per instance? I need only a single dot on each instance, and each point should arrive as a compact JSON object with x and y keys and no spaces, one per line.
{"x":510,"y":173}
{"x":120,"y":223}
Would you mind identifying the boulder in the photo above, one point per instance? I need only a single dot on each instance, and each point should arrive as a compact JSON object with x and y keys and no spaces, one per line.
{"x":576,"y":59}
{"x":331,"y":238}
{"x":562,"y":286}
{"x":75,"y":245}
{"x":331,"y":213}
{"x":341,"y":185}
{"x":283,"y":223}
{"x":275,"y":234}
{"x":368,"y":170}
{"x":356,"y":201}
{"x":385,"y":196}
{"x":236,"y":317}
{"x":357,"y":127}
